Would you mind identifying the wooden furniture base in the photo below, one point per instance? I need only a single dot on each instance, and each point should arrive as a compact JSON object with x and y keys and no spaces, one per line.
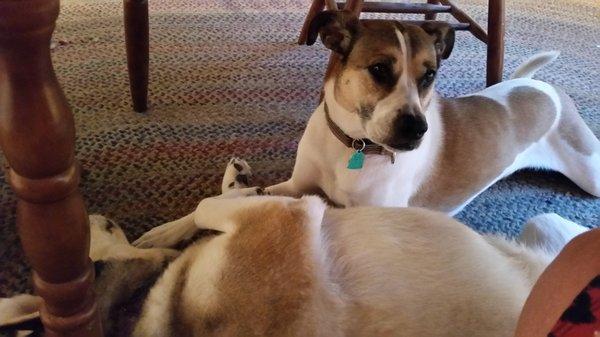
{"x":494,"y":38}
{"x":37,"y":136}
{"x":137,"y":45}
{"x":495,"y":45}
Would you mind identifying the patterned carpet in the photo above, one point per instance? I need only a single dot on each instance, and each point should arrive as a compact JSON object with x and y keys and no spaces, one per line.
{"x":227,"y":79}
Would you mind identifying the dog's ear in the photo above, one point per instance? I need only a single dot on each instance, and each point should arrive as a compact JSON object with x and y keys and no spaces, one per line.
{"x":444,"y":37}
{"x":337,"y":30}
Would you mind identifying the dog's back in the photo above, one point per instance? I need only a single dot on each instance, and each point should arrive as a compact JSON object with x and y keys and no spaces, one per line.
{"x":364,"y":272}
{"x":411,"y":272}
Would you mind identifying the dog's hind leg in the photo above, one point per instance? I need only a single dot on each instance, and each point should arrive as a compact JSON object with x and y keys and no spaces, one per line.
{"x":541,"y":239}
{"x":549,"y":232}
{"x":237,"y":175}
{"x":235,"y":182}
{"x":169,"y":234}
{"x":575,"y":150}
{"x":174,"y":232}
{"x":218,"y":213}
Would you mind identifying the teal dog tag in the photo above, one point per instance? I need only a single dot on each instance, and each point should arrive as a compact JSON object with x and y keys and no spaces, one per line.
{"x":356,"y":161}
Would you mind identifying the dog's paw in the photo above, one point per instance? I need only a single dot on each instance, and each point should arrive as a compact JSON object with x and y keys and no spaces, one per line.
{"x":104,"y":235}
{"x":242,"y":192}
{"x":237,"y":175}
{"x":261,"y":191}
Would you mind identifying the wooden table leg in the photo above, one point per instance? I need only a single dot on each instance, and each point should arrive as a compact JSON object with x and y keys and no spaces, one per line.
{"x":355,"y":6}
{"x":331,"y":5}
{"x":37,"y":136}
{"x":495,"y":47}
{"x":137,"y":45}
{"x":431,"y":16}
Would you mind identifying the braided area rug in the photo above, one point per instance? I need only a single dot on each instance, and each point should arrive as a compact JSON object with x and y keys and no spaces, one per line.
{"x":228,"y":79}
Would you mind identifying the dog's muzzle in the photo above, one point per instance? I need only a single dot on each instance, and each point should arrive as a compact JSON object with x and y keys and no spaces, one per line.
{"x":409,"y":130}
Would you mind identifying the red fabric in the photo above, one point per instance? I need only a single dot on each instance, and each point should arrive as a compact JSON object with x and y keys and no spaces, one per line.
{"x":582,"y":318}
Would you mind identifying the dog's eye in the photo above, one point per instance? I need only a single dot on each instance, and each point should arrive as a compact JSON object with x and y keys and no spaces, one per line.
{"x":382,"y":73}
{"x":427,"y":78}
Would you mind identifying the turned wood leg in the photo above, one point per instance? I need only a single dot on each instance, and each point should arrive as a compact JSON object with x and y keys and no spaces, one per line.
{"x":495,"y":47}
{"x":331,"y":5}
{"x":355,"y":6}
{"x":137,"y":45}
{"x":431,"y":16}
{"x":37,"y":136}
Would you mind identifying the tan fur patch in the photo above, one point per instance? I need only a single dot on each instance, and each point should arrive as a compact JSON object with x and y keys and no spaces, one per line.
{"x":573,"y":129}
{"x":423,"y":57}
{"x":481,"y":139}
{"x":268,"y":278}
{"x":532,"y":114}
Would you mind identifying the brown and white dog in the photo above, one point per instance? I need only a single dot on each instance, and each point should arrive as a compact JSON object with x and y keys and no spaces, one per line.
{"x":291,"y":267}
{"x":437,"y":153}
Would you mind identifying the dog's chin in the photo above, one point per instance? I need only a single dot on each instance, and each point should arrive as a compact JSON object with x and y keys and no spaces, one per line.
{"x":403,"y":146}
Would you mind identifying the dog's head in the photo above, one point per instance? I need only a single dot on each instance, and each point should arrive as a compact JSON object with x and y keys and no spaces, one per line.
{"x":385,"y":75}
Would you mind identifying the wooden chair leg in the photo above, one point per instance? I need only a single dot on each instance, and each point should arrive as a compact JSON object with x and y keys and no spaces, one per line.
{"x":495,"y":47}
{"x":37,"y":136}
{"x":137,"y":45}
{"x":355,"y":6}
{"x":431,"y":16}
{"x":331,"y":5}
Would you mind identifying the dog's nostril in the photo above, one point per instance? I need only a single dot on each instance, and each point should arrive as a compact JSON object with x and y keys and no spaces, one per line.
{"x":411,"y":126}
{"x":420,"y":129}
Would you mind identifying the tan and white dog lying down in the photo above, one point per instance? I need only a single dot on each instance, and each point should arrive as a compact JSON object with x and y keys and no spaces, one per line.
{"x":421,"y":149}
{"x":292,"y":267}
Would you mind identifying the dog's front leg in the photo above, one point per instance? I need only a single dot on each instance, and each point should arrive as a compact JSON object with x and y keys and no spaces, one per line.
{"x":286,"y":188}
{"x":305,"y":177}
{"x":294,"y":187}
{"x":305,"y":180}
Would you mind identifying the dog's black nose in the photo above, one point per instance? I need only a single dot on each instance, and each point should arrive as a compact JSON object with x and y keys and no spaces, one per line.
{"x":411,"y":127}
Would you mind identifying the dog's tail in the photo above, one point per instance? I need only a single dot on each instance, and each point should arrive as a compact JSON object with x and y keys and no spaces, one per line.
{"x":528,"y":68}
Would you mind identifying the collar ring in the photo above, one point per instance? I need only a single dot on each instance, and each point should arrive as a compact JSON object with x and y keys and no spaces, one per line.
{"x":361,"y":144}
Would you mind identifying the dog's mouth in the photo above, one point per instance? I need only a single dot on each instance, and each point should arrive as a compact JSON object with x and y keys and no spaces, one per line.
{"x":403,"y":146}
